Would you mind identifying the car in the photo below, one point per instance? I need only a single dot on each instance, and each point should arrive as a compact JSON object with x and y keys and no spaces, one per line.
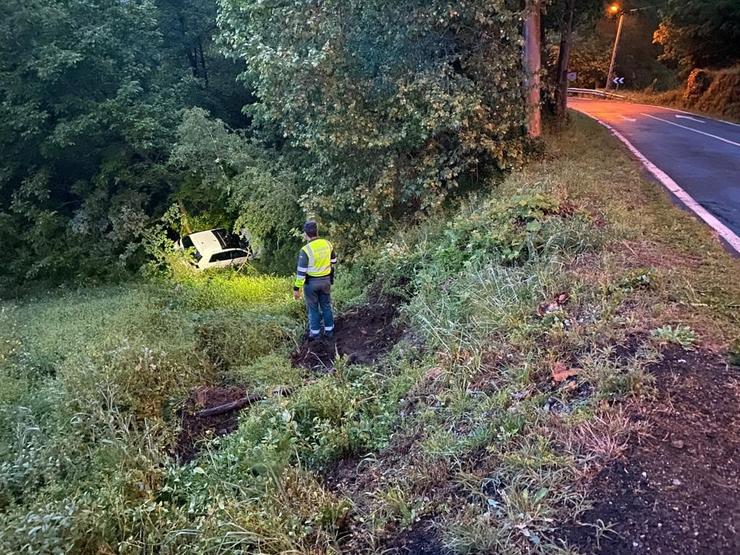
{"x":216,"y":248}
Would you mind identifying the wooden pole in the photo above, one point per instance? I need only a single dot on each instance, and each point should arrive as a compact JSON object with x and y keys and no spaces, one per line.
{"x":614,"y":53}
{"x":532,"y":66}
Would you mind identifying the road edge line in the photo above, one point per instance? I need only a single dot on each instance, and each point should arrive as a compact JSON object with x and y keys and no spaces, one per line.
{"x":727,"y":235}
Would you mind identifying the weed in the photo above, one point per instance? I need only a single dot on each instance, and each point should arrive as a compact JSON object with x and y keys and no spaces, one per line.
{"x":677,"y":335}
{"x":396,"y":507}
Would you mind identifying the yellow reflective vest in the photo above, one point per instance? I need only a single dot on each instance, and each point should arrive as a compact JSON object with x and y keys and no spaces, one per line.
{"x":315,"y":260}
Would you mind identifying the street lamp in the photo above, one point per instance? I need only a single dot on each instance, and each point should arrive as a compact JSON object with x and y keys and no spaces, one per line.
{"x":614,"y":9}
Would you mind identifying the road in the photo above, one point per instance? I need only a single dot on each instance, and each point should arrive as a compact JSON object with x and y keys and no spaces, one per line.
{"x":701,"y":155}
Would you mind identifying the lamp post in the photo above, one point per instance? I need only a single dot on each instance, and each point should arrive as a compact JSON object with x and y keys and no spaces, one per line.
{"x":614,"y":9}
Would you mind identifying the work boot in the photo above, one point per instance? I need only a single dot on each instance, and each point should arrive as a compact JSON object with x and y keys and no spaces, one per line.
{"x":312,"y":338}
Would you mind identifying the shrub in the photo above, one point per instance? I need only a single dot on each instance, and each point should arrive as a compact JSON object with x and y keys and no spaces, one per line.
{"x":384,"y":121}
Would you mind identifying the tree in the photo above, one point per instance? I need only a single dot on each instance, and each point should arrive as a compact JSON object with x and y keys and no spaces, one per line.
{"x":700,"y":33}
{"x":80,"y":106}
{"x":90,"y":97}
{"x":388,"y":107}
{"x":562,"y":19}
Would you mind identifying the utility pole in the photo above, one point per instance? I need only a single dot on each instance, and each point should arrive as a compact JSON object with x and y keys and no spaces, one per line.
{"x":532,"y":66}
{"x":617,"y":9}
{"x":614,"y":52}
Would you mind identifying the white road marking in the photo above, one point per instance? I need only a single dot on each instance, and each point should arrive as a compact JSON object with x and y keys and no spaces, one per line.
{"x":688,"y":201}
{"x":668,"y":108}
{"x":628,"y":119}
{"x":679,"y":116}
{"x":728,"y":141}
{"x":691,"y":113}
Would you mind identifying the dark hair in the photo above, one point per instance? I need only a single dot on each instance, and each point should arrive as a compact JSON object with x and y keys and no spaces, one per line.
{"x":311,"y":229}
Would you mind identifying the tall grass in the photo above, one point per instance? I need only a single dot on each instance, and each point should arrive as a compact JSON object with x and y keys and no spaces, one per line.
{"x":461,"y":424}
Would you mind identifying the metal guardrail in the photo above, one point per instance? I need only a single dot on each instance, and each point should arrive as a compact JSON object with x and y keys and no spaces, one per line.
{"x":594,"y":92}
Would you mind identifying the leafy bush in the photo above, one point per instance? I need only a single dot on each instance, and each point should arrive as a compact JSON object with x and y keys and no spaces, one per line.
{"x":257,"y":187}
{"x":388,"y":108}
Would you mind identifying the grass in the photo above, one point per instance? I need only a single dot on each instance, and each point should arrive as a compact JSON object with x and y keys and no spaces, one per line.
{"x":462,"y":425}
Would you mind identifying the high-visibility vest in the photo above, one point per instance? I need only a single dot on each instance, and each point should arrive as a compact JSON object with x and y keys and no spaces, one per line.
{"x":315,"y":261}
{"x":319,"y":258}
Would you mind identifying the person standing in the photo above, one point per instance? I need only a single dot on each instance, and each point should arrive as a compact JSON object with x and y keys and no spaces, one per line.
{"x":315,"y":275}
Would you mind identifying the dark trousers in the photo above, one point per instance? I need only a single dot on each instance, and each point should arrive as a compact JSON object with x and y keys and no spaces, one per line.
{"x":317,"y":292}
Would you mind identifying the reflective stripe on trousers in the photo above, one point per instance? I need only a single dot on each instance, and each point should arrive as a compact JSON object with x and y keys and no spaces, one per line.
{"x":317,"y":292}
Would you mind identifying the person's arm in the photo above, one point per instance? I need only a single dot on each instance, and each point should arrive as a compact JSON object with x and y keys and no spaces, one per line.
{"x":300,"y":276}
{"x":333,"y":263}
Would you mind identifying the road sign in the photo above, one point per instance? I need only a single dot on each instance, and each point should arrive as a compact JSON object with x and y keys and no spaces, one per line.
{"x":618,"y":80}
{"x":572,"y":76}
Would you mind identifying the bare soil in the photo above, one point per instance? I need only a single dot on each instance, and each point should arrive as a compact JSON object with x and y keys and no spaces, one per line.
{"x":360,"y":479}
{"x":362,"y":334}
{"x":195,"y":429}
{"x":678,"y":489}
{"x":422,"y":538}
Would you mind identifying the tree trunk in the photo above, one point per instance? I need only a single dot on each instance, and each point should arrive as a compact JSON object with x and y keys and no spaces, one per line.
{"x":532,"y":66}
{"x":566,"y":41}
{"x":203,"y":62}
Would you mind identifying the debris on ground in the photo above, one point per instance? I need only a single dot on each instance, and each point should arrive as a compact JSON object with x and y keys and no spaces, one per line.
{"x":557,"y":303}
{"x":213,"y":412}
{"x":560,"y":372}
{"x":677,"y":490}
{"x":194,"y":429}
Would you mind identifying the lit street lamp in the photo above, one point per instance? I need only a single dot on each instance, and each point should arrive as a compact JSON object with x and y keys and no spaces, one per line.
{"x":614,"y":9}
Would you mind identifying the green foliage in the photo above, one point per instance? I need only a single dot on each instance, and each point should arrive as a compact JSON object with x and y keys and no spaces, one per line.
{"x":231,"y":338}
{"x":89,"y":100}
{"x":388,"y":108}
{"x":699,"y":34}
{"x":254,"y":183}
{"x":462,"y":423}
{"x":678,"y":335}
{"x":88,"y":414}
{"x":637,"y":279}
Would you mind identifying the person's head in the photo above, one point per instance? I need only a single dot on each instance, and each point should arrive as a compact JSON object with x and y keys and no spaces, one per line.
{"x":310,"y":230}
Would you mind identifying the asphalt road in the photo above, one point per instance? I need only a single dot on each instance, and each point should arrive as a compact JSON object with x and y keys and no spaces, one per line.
{"x":702,"y":155}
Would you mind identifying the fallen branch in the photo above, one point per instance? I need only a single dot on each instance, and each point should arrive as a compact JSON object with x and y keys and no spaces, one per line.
{"x":241,"y":403}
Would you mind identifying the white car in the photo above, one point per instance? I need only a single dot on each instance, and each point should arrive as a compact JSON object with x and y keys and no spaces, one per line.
{"x":216,"y":248}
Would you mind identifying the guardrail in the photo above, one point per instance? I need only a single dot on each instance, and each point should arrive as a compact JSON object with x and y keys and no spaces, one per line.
{"x":594,"y":92}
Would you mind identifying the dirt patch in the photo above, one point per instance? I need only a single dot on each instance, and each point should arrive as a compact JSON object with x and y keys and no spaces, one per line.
{"x":422,"y":538}
{"x":677,"y":490}
{"x":195,"y":428}
{"x":362,"y":334}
